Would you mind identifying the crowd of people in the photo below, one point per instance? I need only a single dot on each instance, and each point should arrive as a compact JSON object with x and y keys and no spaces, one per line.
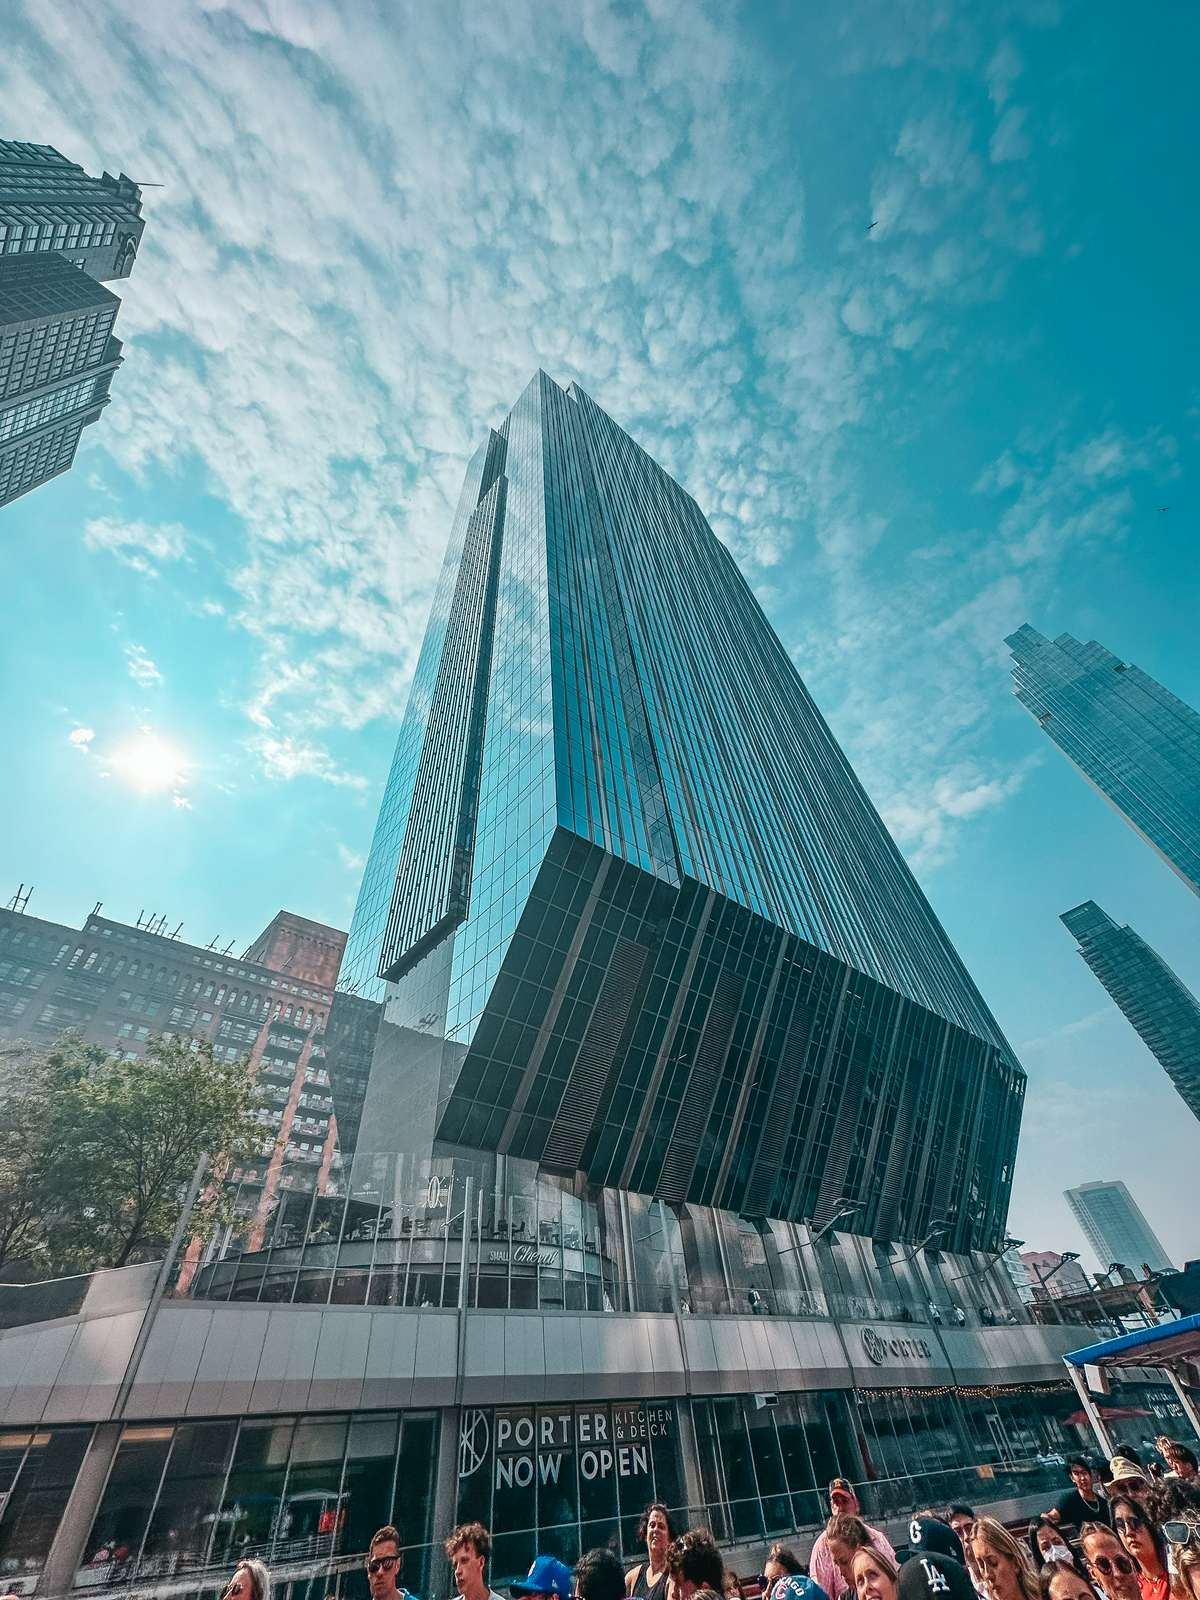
{"x":1131,"y":1534}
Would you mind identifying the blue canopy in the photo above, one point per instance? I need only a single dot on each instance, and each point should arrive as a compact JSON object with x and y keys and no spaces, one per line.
{"x":1147,"y":1347}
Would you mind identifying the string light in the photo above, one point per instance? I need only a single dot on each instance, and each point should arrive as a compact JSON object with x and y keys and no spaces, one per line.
{"x":964,"y":1391}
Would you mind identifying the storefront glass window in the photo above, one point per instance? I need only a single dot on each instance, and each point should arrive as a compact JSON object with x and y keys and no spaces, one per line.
{"x":185,"y":1523}
{"x":116,"y":1539}
{"x":560,"y":1479}
{"x":37,"y":1469}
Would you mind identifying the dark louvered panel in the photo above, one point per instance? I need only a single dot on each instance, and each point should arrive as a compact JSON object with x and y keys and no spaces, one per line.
{"x":585,"y":1092}
{"x":778,"y":1122}
{"x":680,"y":1160}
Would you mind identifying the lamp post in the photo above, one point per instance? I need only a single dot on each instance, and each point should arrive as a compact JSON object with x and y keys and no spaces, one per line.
{"x":1043,"y":1279}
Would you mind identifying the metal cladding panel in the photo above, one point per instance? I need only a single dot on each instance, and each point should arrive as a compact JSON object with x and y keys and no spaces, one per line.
{"x":30,"y":1361}
{"x":433,"y":877}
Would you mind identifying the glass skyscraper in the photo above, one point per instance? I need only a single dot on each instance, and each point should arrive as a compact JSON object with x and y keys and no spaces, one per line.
{"x":1132,"y":739}
{"x":1162,"y":1009}
{"x":1114,"y":1226}
{"x":632,"y":916}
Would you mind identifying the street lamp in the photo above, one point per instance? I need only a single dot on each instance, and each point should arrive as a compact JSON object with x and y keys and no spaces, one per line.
{"x":1064,"y":1260}
{"x":843,"y":1208}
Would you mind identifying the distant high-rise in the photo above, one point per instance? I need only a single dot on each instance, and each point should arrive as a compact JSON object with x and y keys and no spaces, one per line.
{"x":632,"y":913}
{"x":1050,"y":1275}
{"x":49,"y":205}
{"x":57,"y":358}
{"x":1114,"y":1226}
{"x":1162,"y":1009}
{"x":1132,"y":739}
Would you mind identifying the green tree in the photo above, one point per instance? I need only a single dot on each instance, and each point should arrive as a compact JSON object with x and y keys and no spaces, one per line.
{"x":113,"y":1145}
{"x":30,"y":1084}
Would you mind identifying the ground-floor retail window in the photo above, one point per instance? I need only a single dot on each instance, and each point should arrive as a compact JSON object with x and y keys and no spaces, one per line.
{"x":191,"y":1498}
{"x":38,"y":1468}
{"x":559,"y":1480}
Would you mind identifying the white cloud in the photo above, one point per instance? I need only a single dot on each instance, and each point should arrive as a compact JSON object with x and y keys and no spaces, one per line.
{"x":82,"y":738}
{"x":140,"y":545}
{"x":286,"y":758}
{"x":1011,"y":141}
{"x":352,"y":860}
{"x":368,"y":238}
{"x":1093,"y":1019}
{"x":141,"y":668}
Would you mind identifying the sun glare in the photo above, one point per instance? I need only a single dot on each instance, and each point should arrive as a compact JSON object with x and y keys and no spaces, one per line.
{"x":149,"y":763}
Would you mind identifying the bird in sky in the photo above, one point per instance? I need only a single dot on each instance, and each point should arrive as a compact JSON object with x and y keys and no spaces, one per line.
{"x":1164,"y":508}
{"x":871,"y":225}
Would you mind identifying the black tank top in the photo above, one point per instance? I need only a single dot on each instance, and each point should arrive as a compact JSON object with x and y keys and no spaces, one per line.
{"x":642,"y":1590}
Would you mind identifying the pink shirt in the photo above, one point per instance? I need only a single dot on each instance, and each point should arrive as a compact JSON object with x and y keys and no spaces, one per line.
{"x":823,"y":1569}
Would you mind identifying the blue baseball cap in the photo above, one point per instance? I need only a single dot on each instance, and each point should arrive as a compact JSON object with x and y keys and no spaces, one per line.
{"x":547,"y":1575}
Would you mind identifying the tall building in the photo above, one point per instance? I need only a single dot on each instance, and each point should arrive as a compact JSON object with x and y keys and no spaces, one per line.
{"x":1162,"y":1009}
{"x":1115,"y":1228}
{"x":121,"y":986}
{"x":57,"y":358}
{"x":49,"y":204}
{"x":635,"y":917}
{"x":1129,"y":737}
{"x":646,"y":1029}
{"x":1048,"y":1274}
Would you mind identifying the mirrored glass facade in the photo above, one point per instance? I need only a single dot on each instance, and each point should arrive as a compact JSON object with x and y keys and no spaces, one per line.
{"x":627,"y":908}
{"x":1162,"y":1009}
{"x":1132,"y":739}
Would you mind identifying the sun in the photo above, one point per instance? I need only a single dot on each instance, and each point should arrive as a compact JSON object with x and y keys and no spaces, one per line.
{"x":149,"y":763}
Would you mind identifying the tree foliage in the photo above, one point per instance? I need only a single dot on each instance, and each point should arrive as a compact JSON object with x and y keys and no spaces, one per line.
{"x":97,"y":1152}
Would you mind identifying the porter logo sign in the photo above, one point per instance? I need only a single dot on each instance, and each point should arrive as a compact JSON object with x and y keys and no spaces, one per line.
{"x":550,"y":1445}
{"x":877,"y":1349}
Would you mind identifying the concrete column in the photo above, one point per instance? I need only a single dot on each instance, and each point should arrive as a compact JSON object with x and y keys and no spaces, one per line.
{"x":445,"y":1500}
{"x":692,"y":1485}
{"x":67,"y":1551}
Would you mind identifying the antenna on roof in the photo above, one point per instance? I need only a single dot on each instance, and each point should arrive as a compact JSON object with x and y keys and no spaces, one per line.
{"x":227,"y":948}
{"x":21,"y":899}
{"x":96,"y":908}
{"x":212,"y":943}
{"x":175,"y":934}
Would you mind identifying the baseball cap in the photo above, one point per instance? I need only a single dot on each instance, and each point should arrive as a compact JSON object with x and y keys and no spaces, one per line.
{"x":930,"y":1536}
{"x":797,"y":1586}
{"x":934,"y":1577}
{"x":547,"y":1575}
{"x":843,"y":1484}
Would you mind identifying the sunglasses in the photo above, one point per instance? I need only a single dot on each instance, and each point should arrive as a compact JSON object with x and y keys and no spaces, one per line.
{"x":1110,"y":1564}
{"x":381,"y":1563}
{"x":1128,"y":1524}
{"x":1179,"y":1532}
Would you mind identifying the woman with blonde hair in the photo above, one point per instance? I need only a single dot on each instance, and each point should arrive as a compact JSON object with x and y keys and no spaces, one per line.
{"x":872,"y":1575}
{"x":1004,"y":1562}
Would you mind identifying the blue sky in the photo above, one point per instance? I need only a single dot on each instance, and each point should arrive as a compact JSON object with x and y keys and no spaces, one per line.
{"x":376,"y":220}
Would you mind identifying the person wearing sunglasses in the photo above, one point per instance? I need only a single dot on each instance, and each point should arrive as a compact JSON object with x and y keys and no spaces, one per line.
{"x":1110,"y":1566}
{"x":384,"y":1561}
{"x":1145,"y":1543}
{"x":1176,"y":1504}
{"x":250,"y":1581}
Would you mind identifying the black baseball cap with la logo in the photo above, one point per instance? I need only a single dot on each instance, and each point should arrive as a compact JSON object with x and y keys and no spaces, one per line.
{"x":933,"y":1577}
{"x":842,"y":1485}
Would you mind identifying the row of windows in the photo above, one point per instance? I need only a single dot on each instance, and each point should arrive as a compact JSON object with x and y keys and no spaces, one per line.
{"x":29,"y":414}
{"x":19,"y":236}
{"x":37,"y":459}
